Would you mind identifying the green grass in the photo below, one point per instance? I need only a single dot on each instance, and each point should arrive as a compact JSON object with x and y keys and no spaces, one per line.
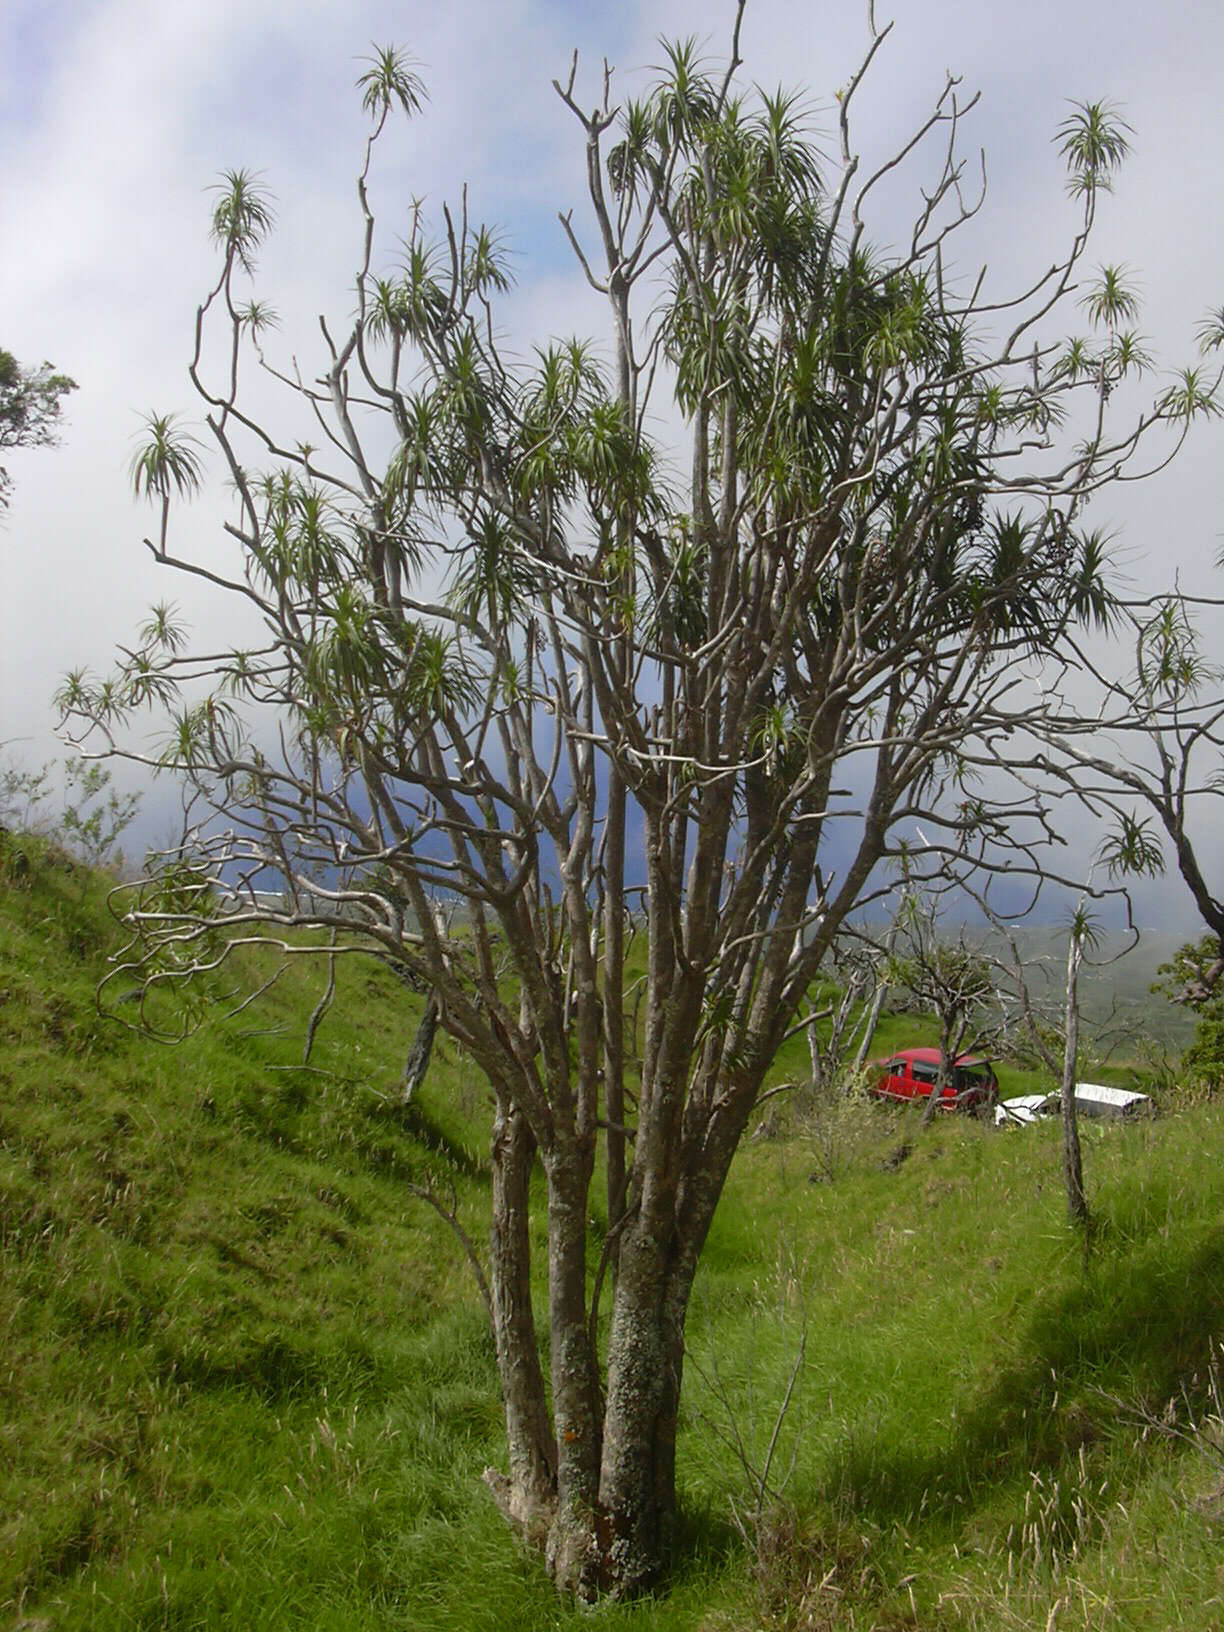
{"x":245,"y":1377}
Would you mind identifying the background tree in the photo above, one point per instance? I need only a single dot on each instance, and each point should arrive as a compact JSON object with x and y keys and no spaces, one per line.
{"x":93,"y":814}
{"x":1192,"y":977}
{"x":521,"y":658}
{"x":1142,"y":751}
{"x":30,"y":403}
{"x":841,"y":1020}
{"x":953,"y":980}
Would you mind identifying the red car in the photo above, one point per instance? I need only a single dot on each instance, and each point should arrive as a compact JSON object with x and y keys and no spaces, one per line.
{"x":911,"y":1074}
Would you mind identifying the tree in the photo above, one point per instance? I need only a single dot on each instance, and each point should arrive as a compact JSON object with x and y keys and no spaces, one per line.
{"x":94,"y":815}
{"x":1141,"y":741}
{"x":509,"y":636}
{"x":30,"y":404}
{"x":845,"y":1016}
{"x":1192,"y":977}
{"x":1142,"y":754}
{"x":950,"y":978}
{"x":1073,"y":1163}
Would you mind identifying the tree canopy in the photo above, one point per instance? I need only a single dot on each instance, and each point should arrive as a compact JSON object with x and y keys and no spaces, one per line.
{"x":528,"y":660}
{"x":30,"y":403}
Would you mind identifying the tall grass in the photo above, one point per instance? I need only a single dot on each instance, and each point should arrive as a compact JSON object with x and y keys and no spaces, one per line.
{"x":247,"y":1379}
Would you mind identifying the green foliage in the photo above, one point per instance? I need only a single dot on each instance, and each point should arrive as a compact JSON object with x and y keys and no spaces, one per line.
{"x":22,"y":792}
{"x":1093,"y":141}
{"x":1170,"y":664}
{"x":1211,"y":331}
{"x":1192,"y":978}
{"x":390,"y":79}
{"x":242,"y":217}
{"x":94,"y":815}
{"x":1202,"y":1064}
{"x":166,"y":461}
{"x":31,"y":401}
{"x":1110,"y":302}
{"x":1133,"y":849}
{"x":1194,"y":395}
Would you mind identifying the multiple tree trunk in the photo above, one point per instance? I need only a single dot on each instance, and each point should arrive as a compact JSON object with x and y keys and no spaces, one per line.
{"x":764,"y":664}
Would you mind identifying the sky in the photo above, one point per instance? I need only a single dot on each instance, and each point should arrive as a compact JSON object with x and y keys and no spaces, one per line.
{"x":116,"y":116}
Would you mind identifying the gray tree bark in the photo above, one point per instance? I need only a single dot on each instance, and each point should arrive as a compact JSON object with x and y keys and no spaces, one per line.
{"x":417,"y":1063}
{"x":1073,"y":1166}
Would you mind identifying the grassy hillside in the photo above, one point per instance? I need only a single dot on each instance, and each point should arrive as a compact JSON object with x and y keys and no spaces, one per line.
{"x":247,"y":1379}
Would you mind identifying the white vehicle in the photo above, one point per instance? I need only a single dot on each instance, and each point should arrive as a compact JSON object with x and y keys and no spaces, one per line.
{"x":1092,"y":1100}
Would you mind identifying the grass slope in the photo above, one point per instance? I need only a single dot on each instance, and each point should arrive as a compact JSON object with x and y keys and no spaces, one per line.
{"x":247,"y":1379}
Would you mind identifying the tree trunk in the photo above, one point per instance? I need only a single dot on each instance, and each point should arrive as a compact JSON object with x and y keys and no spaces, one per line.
{"x":660,"y":1249}
{"x":528,"y":1496}
{"x":951,"y":1042}
{"x":614,"y":1008}
{"x":935,"y":1097}
{"x":417,"y":1063}
{"x":877,"y":1001}
{"x":1073,"y":1168}
{"x":815,"y":1058}
{"x":645,"y":1365}
{"x":574,"y":1552}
